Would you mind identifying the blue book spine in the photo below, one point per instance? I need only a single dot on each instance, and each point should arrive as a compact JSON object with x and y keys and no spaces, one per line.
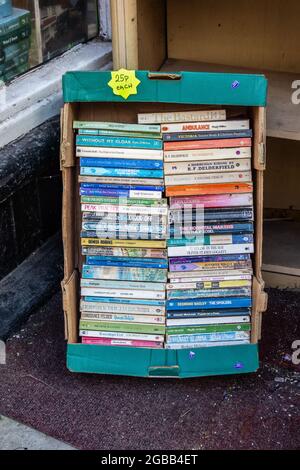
{"x":237,"y":227}
{"x":196,"y":304}
{"x":184,"y":136}
{"x":181,"y":314}
{"x":123,"y":142}
{"x":121,"y":187}
{"x":236,"y":239}
{"x":129,"y":262}
{"x":121,"y":163}
{"x":211,"y":337}
{"x":126,"y":172}
{"x":110,"y":192}
{"x":209,"y":259}
{"x":156,"y":303}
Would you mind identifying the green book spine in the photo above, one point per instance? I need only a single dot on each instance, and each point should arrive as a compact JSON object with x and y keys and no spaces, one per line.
{"x":122,"y":326}
{"x":129,"y":201}
{"x":117,"y":127}
{"x":185,"y":330}
{"x":16,"y":36}
{"x":12,"y":51}
{"x":14,"y":22}
{"x":12,"y":73}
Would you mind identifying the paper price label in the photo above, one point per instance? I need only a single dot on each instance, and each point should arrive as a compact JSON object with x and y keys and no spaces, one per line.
{"x":124,"y":83}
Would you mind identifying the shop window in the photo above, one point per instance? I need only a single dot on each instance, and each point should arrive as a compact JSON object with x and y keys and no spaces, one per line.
{"x":35,"y":31}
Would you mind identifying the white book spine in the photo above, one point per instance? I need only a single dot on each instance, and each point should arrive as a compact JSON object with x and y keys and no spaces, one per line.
{"x":210,"y":275}
{"x":109,"y":307}
{"x":116,"y":209}
{"x":122,"y":293}
{"x":207,"y":178}
{"x":138,"y":194}
{"x":102,"y":284}
{"x":195,"y":284}
{"x":120,"y":335}
{"x":207,"y":321}
{"x":205,"y":344}
{"x":207,"y":154}
{"x":210,"y":250}
{"x":182,"y":116}
{"x":151,"y":319}
{"x":212,"y":166}
{"x":112,"y":152}
{"x":207,"y":126}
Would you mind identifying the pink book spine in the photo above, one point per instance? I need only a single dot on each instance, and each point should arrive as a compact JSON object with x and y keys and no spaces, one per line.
{"x":217,"y":200}
{"x":208,"y":144}
{"x":122,"y":342}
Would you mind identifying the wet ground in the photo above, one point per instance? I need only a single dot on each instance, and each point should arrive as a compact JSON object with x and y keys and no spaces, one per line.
{"x":256,"y":411}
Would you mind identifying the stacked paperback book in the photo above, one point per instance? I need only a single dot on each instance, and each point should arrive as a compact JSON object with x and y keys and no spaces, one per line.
{"x":15,"y":29}
{"x":209,"y":183}
{"x":166,"y":230}
{"x":123,"y":237}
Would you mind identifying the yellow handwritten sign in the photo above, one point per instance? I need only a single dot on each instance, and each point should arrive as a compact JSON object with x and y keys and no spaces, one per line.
{"x":124,"y":83}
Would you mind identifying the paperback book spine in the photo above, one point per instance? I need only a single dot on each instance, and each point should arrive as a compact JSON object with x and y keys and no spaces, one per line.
{"x":124,"y":142}
{"x":210,"y":166}
{"x":126,"y":252}
{"x":13,"y":23}
{"x":121,"y":163}
{"x":116,"y":126}
{"x":209,"y":178}
{"x":232,"y":125}
{"x":187,"y":215}
{"x":213,"y":275}
{"x":124,"y":201}
{"x":124,"y":274}
{"x":122,"y":293}
{"x":207,"y":154}
{"x":121,"y":308}
{"x":120,"y":335}
{"x":122,"y":342}
{"x":120,"y":181}
{"x":121,"y":193}
{"x":171,"y":322}
{"x":230,"y":302}
{"x":123,"y":243}
{"x":213,"y":265}
{"x":214,"y":337}
{"x":205,"y":189}
{"x":216,"y":328}
{"x":208,"y":315}
{"x":201,"y":293}
{"x":213,"y":201}
{"x":121,"y":187}
{"x":151,"y":210}
{"x":106,"y":218}
{"x":185,"y":136}
{"x":182,"y":116}
{"x":110,"y":152}
{"x":133,"y":262}
{"x":206,"y":284}
{"x":108,"y":300}
{"x":210,"y":250}
{"x":206,"y":344}
{"x":114,"y":317}
{"x":146,"y":328}
{"x":122,"y":172}
{"x":123,"y":235}
{"x":209,"y":258}
{"x":143,"y":135}
{"x":208,"y":144}
{"x":100,"y":283}
{"x":212,"y":240}
{"x":12,"y":38}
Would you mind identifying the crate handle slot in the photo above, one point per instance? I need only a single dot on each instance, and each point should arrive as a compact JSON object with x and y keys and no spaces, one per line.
{"x":164,"y":76}
{"x":164,"y":371}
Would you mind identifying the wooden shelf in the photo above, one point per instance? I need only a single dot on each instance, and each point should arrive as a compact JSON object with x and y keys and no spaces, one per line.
{"x":283,"y":117}
{"x":281,"y":254}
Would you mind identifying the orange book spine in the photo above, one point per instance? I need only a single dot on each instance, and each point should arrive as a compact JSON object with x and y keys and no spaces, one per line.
{"x":208,"y":144}
{"x":204,"y":189}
